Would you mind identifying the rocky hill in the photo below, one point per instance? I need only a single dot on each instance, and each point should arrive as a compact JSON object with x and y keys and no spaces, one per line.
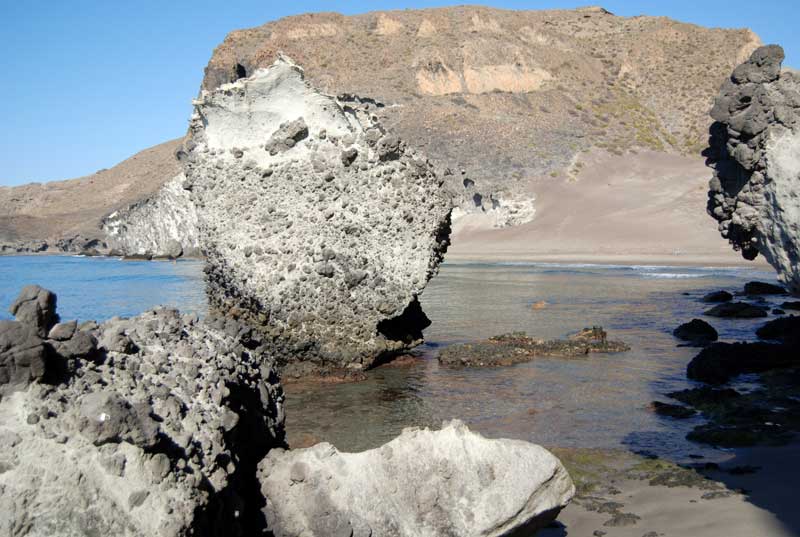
{"x":516,"y":103}
{"x":511,"y":98}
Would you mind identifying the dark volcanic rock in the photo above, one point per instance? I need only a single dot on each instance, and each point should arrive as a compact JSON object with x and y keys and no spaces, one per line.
{"x":517,"y":347}
{"x":697,"y":332}
{"x":672,"y":411}
{"x":795,"y":306}
{"x":35,"y":307}
{"x":720,"y":362}
{"x":718,"y":296}
{"x":737,"y":310}
{"x":22,"y":356}
{"x":786,"y":329}
{"x":762,"y":288}
{"x":157,"y":432}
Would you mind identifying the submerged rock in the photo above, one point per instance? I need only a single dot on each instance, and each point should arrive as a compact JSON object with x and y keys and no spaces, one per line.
{"x":755,"y":151}
{"x":318,"y":227}
{"x":737,"y":310}
{"x":157,"y":436}
{"x":718,"y":296}
{"x":697,"y":332}
{"x":422,"y":483}
{"x":672,"y":411}
{"x":517,"y":347}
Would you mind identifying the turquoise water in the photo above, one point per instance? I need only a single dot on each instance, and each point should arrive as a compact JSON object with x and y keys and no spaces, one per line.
{"x":98,"y":288}
{"x":599,"y":401}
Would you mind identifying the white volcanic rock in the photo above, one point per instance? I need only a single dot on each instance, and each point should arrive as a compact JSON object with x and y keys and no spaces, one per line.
{"x":423,"y":483}
{"x":162,"y":225}
{"x":317,"y":226}
{"x":755,"y":151}
{"x":150,"y":426}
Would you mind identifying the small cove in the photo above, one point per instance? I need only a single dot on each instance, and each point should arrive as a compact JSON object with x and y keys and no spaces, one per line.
{"x":600,"y":401}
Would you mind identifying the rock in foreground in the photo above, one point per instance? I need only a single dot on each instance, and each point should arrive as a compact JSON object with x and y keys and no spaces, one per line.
{"x":139,"y":427}
{"x":755,"y":151}
{"x":423,"y":483}
{"x":318,"y":226}
{"x":720,"y":362}
{"x":517,"y":347}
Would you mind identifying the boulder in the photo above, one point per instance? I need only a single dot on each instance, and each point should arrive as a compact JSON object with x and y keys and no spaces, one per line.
{"x":754,"y":148}
{"x":737,"y":310}
{"x":786,"y":329}
{"x":423,"y":483}
{"x":718,"y":296}
{"x":763,"y":288}
{"x":697,"y":332}
{"x":313,"y":234}
{"x":720,"y":362}
{"x":22,"y":356}
{"x":35,"y":307}
{"x":793,"y":305}
{"x":161,"y":436}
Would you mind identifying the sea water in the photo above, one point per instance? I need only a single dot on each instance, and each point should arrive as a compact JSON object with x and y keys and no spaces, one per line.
{"x":598,"y":401}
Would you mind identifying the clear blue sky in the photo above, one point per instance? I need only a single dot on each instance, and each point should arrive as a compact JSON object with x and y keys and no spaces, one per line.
{"x":85,"y":84}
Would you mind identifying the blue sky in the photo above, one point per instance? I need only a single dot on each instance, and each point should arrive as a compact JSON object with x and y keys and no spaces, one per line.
{"x":86,"y":84}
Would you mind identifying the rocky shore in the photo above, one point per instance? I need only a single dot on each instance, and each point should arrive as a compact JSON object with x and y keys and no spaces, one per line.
{"x":165,"y":424}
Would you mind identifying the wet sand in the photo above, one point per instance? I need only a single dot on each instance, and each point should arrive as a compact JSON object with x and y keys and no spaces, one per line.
{"x":761,"y":503}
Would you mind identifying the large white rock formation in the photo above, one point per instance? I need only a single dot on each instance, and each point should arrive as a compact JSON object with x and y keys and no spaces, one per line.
{"x":423,"y":483}
{"x":317,"y":226}
{"x":755,"y":152}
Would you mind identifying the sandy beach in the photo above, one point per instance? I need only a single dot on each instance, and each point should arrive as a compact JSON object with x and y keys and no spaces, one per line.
{"x":645,"y":208}
{"x":753,"y":493}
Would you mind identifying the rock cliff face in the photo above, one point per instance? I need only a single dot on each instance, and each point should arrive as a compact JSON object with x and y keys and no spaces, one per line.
{"x":754,"y":148}
{"x":146,"y":426}
{"x":162,"y":225}
{"x":318,"y":226}
{"x":421,"y":484}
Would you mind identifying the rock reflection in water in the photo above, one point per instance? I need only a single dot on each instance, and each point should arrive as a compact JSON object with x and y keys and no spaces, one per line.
{"x":598,"y":401}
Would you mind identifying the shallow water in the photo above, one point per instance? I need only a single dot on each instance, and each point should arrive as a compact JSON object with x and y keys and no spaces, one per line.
{"x":98,"y":288}
{"x":600,"y":401}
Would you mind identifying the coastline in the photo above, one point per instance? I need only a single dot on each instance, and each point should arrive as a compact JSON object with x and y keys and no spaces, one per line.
{"x":576,"y":258}
{"x":622,"y":259}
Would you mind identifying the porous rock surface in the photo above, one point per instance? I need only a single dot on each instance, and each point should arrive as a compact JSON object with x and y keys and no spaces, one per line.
{"x":423,"y":483}
{"x":754,"y":148}
{"x":318,"y":227}
{"x":139,"y":427}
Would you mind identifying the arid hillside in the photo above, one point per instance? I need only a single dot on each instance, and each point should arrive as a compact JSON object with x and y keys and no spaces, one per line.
{"x":510,"y":98}
{"x":37,"y":216}
{"x":514,"y":102}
